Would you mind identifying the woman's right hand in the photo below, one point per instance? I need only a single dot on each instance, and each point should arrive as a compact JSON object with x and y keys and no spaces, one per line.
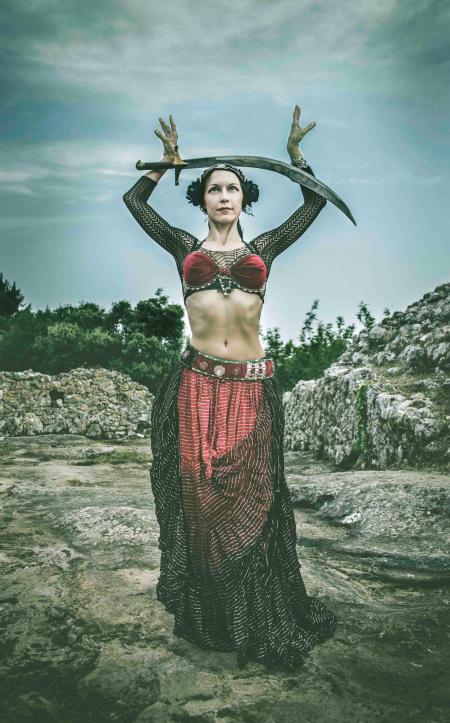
{"x":169,"y":139}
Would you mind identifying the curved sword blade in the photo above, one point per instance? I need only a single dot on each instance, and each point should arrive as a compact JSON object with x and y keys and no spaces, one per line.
{"x":270,"y":164}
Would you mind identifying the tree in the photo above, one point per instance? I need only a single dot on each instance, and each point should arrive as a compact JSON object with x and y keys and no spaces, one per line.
{"x":10,"y":297}
{"x":364,"y":316}
{"x":319,"y":345}
{"x":16,"y":341}
{"x":143,"y":341}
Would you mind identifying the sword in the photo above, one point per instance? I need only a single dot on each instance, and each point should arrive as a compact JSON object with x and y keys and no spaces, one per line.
{"x":295,"y":174}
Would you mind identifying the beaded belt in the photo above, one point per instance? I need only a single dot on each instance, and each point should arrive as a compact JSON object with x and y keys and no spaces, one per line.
{"x":214,"y":366}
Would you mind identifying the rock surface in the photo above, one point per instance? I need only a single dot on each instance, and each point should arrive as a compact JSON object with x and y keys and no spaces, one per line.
{"x":98,"y":403}
{"x":84,"y":640}
{"x":386,"y":401}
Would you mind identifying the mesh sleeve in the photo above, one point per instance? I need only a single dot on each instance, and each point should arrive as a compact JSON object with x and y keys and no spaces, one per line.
{"x":272,"y":243}
{"x":175,"y":240}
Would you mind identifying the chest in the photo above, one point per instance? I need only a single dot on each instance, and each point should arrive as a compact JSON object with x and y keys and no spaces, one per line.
{"x":224,"y":270}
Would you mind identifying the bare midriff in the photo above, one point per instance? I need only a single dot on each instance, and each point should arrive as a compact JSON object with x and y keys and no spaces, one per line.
{"x":226,"y":326}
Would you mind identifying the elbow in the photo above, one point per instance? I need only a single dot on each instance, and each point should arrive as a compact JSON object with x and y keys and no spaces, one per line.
{"x":314,"y":204}
{"x":318,"y":202}
{"x":312,"y":198}
{"x":130,"y":202}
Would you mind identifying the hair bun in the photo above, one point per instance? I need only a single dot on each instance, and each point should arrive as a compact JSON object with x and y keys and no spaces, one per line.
{"x":193,"y":193}
{"x":252,"y":191}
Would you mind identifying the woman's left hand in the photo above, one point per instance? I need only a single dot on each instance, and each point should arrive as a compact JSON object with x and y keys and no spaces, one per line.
{"x":297,"y":133}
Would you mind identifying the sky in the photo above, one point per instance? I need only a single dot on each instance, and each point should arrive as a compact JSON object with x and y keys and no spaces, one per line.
{"x":83,"y":85}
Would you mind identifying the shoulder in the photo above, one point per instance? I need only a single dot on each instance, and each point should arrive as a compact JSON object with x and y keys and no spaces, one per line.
{"x":251,"y":246}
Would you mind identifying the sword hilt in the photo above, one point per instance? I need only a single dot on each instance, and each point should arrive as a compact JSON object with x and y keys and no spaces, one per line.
{"x":177,"y":164}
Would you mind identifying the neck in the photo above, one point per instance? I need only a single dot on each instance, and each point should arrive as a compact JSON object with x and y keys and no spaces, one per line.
{"x":223,"y":234}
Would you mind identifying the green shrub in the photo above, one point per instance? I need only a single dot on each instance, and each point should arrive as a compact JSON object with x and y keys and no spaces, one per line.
{"x":319,"y":345}
{"x":142,"y":342}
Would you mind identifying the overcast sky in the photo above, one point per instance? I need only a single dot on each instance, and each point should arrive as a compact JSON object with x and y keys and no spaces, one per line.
{"x":84,"y":84}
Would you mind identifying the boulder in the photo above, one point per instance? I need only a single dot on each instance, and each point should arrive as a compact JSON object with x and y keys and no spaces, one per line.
{"x":385,"y":401}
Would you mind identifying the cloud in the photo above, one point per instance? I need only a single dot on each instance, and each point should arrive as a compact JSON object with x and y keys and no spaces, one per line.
{"x":116,"y":172}
{"x":16,"y":188}
{"x":60,"y":165}
{"x":396,"y":178}
{"x":19,"y":172}
{"x":140,"y":51}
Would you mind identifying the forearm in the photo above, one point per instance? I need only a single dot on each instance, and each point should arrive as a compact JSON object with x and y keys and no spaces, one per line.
{"x":298,"y":160}
{"x":156,"y":175}
{"x":271,"y":243}
{"x":294,"y":152}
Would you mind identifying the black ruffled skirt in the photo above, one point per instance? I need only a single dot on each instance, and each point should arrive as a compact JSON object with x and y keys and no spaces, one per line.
{"x":229,"y":570}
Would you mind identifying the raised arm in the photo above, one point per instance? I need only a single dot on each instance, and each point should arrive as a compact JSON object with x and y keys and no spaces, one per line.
{"x":272,"y":243}
{"x":175,"y":240}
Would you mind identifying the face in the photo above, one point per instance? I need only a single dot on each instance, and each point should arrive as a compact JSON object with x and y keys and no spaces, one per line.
{"x":223,"y":191}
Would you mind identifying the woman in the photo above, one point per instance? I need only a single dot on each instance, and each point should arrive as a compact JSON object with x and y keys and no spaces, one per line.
{"x":229,"y":569}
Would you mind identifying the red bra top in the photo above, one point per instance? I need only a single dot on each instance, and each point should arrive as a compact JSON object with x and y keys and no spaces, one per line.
{"x":201,"y":271}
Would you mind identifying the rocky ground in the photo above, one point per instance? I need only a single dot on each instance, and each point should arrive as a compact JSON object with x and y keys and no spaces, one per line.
{"x":83,"y":638}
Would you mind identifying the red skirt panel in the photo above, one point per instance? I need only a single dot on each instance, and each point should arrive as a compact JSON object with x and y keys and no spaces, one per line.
{"x":225,"y":471}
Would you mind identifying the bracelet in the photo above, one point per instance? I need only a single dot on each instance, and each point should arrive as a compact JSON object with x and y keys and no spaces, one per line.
{"x":300,"y":162}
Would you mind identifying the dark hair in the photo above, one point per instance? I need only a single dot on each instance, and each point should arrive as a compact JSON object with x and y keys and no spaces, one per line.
{"x":196,"y":190}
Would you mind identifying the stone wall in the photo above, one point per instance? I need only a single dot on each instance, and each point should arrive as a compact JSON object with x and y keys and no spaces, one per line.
{"x":386,"y":401}
{"x":97,"y":403}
